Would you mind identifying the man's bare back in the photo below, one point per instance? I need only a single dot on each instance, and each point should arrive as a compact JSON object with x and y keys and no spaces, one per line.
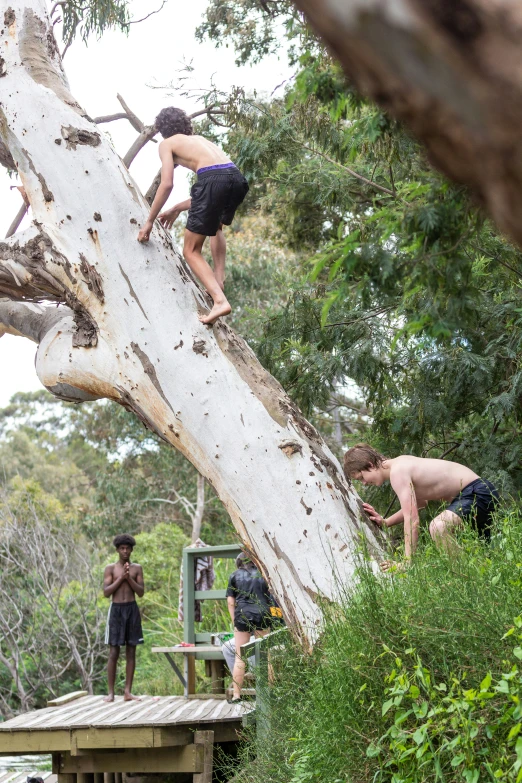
{"x":193,"y":152}
{"x":416,"y":481}
{"x":432,"y":479}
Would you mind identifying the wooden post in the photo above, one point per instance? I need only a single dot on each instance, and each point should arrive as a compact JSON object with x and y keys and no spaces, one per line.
{"x":84,"y":777}
{"x":108,"y":777}
{"x":190,"y":674}
{"x":217,"y":674}
{"x":205,"y":738}
{"x":66,"y":777}
{"x":188,"y":597}
{"x":117,"y":777}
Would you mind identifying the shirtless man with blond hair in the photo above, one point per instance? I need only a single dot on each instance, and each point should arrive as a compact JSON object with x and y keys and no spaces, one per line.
{"x":218,"y":191}
{"x":416,"y":481}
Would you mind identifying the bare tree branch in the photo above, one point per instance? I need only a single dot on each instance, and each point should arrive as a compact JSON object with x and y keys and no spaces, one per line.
{"x":22,"y":212}
{"x":132,"y":117}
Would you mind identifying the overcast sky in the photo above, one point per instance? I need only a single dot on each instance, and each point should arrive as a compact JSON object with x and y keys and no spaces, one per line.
{"x":151,"y":56}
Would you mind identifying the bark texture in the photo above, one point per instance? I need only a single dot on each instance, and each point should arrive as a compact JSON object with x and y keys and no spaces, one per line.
{"x":126,"y":329}
{"x":452,"y":71}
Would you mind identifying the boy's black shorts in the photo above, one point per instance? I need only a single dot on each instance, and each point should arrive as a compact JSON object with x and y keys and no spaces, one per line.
{"x":476,"y":503}
{"x":123,"y":625}
{"x":216,"y":195}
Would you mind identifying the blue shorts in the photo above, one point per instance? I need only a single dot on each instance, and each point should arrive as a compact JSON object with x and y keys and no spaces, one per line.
{"x":475,"y":504}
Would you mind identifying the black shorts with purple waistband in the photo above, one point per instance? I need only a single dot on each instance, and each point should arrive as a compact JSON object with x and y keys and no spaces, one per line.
{"x":216,"y":195}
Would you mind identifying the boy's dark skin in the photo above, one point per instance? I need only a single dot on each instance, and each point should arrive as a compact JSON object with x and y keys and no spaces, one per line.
{"x":123,"y":581}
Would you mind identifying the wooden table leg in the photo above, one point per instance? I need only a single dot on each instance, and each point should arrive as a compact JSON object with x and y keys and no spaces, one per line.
{"x":217,"y":674}
{"x":205,"y":738}
{"x":190,"y":674}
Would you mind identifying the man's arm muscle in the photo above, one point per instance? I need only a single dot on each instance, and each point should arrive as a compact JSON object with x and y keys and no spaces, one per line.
{"x":402,"y":485}
{"x":163,"y":192}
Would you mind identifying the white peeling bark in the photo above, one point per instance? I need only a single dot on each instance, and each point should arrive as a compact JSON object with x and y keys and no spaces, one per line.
{"x":130,"y":333}
{"x":452,"y":71}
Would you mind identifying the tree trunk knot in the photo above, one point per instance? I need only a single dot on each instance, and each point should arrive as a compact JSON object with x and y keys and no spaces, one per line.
{"x":290,"y":447}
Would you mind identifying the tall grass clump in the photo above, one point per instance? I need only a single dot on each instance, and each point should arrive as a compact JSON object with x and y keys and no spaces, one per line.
{"x":417,"y":677}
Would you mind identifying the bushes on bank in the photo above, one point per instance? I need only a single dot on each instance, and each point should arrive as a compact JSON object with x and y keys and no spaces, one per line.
{"x":417,"y":677}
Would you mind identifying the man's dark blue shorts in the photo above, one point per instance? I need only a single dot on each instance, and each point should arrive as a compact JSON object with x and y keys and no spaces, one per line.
{"x":216,"y":195}
{"x":476,"y":503}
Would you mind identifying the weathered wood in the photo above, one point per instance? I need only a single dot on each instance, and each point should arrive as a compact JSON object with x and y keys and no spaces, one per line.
{"x":217,"y":675}
{"x":66,"y":777}
{"x":28,"y":742}
{"x":187,"y":758}
{"x":190,"y":674}
{"x":85,"y":777}
{"x":61,"y":700}
{"x":108,"y":777}
{"x":131,"y":737}
{"x":205,"y":739}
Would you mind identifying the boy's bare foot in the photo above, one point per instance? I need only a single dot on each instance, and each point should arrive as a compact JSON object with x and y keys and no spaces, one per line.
{"x":130,"y":697}
{"x":109,"y":698}
{"x":219,"y":309}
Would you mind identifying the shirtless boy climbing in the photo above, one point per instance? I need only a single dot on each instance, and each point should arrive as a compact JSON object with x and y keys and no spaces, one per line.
{"x":416,"y":481}
{"x":122,"y":581}
{"x":219,"y":190}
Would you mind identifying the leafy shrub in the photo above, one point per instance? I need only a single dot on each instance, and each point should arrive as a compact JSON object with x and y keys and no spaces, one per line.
{"x":416,"y":677}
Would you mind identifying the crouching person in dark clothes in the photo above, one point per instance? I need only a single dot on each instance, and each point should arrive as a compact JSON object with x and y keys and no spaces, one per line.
{"x":249,"y":603}
{"x":123,"y":581}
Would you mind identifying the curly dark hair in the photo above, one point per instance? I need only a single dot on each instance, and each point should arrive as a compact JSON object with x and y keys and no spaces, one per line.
{"x":124,"y":538}
{"x":171,"y":121}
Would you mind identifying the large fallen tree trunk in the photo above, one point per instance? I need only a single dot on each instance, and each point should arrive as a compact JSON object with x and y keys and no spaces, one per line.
{"x":452,"y":71}
{"x":125,"y":327}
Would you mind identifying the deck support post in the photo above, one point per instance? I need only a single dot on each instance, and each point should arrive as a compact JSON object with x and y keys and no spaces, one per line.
{"x":66,"y":777}
{"x":217,"y":674}
{"x":206,"y":739}
{"x":108,"y":777}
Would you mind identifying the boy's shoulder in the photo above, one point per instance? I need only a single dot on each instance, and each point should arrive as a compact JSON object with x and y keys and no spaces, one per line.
{"x":403,"y":464}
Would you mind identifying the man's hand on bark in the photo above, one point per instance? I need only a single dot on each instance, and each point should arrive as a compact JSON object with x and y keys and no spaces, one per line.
{"x":374,"y":515}
{"x":144,"y":234}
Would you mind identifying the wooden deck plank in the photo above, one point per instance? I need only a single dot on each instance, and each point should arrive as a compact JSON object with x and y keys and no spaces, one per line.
{"x":66,"y":698}
{"x":158,"y":716}
{"x":39,"y":716}
{"x":132,"y":714}
{"x":103,"y":709}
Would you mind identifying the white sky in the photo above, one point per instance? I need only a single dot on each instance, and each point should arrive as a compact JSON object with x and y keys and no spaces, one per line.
{"x":151,"y":55}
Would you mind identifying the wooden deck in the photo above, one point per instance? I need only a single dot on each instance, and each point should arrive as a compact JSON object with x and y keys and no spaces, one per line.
{"x":89,"y":736}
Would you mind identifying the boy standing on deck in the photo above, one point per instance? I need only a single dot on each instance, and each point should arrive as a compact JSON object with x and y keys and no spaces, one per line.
{"x":219,"y":190}
{"x":416,"y":481}
{"x":123,"y":581}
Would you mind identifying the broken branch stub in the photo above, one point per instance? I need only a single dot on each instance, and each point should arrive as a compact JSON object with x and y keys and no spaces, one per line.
{"x":132,"y":335}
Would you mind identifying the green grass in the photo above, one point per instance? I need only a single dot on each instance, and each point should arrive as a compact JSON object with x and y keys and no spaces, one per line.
{"x":416,"y":677}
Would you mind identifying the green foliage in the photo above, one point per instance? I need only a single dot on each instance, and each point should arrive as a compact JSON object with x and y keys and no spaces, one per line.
{"x":85,"y":17}
{"x":403,"y":290}
{"x":416,"y":677}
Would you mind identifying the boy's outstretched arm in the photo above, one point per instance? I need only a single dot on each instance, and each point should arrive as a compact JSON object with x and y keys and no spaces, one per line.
{"x":163,"y":192}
